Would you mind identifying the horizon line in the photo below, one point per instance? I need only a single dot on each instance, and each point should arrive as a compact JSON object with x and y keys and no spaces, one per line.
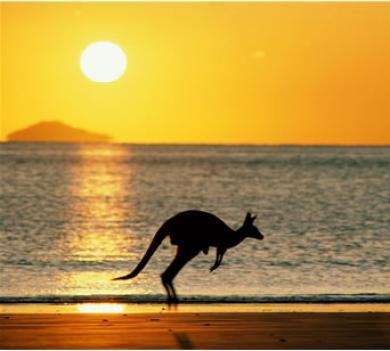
{"x":195,"y":144}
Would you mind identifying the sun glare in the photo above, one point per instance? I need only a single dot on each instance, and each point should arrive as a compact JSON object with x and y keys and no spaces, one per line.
{"x":103,"y":62}
{"x":100,"y":308}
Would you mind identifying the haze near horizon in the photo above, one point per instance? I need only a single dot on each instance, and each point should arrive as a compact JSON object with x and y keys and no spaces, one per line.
{"x":253,"y":73}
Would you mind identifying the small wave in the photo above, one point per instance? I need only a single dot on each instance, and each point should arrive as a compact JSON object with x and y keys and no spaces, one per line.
{"x":158,"y":298}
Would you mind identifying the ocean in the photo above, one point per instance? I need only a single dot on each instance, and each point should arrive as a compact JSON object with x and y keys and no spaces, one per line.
{"x":73,"y":216}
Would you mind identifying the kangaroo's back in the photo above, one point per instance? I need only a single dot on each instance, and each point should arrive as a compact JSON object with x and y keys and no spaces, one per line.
{"x":197,"y":227}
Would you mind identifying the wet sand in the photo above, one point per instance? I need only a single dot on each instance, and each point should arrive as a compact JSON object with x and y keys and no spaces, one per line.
{"x":204,"y":330}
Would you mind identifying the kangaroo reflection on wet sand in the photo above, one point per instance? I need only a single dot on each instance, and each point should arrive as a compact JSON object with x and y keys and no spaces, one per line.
{"x":192,"y":232}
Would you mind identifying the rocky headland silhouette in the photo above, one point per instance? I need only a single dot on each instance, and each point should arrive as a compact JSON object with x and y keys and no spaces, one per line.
{"x":56,"y":131}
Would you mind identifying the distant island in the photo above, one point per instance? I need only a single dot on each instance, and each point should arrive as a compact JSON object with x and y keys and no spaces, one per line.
{"x":56,"y":131}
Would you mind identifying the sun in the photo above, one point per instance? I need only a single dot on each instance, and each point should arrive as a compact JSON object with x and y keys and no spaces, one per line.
{"x":103,"y":62}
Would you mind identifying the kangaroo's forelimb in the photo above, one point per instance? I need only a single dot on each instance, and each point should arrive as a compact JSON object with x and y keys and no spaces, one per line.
{"x":218,"y":259}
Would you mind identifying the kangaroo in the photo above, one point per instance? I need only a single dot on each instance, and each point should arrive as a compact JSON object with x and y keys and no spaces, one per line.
{"x":194,"y":231}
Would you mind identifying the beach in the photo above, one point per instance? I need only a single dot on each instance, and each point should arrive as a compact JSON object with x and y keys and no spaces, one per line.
{"x":196,"y":330}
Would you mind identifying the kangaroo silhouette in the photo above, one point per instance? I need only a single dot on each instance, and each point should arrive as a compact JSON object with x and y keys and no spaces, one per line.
{"x":194,"y":231}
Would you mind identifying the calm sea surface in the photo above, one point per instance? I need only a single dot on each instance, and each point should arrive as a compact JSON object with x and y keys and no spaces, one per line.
{"x":74,"y":216}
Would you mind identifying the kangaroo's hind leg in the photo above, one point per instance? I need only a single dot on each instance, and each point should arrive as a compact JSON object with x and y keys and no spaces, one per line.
{"x":183,"y":256}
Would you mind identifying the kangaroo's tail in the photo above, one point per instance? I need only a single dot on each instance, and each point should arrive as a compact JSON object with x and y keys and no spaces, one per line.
{"x":158,"y":238}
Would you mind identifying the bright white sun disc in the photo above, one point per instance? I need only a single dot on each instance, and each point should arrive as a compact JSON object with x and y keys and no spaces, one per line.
{"x":103,"y":62}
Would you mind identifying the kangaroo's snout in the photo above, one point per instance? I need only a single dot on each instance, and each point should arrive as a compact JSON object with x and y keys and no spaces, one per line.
{"x":259,"y":235}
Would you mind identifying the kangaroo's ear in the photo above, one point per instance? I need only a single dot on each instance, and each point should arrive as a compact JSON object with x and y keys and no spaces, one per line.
{"x":248,"y":218}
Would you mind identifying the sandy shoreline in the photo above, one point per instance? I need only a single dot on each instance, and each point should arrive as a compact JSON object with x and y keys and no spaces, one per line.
{"x":115,"y":307}
{"x":203,"y":330}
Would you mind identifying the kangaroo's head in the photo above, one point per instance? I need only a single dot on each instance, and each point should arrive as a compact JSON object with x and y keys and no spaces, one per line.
{"x":249,"y":230}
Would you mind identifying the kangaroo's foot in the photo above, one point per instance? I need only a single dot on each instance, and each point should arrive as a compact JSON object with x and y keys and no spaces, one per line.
{"x":172,"y":301}
{"x":168,"y":286}
{"x":172,"y":298}
{"x":183,"y":255}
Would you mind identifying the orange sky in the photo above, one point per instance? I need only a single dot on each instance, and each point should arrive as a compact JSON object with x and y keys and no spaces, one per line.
{"x":310,"y":73}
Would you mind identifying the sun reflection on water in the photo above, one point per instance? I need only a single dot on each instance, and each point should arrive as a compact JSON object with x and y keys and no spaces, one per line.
{"x":101,"y":191}
{"x":100,"y":308}
{"x":99,"y":210}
